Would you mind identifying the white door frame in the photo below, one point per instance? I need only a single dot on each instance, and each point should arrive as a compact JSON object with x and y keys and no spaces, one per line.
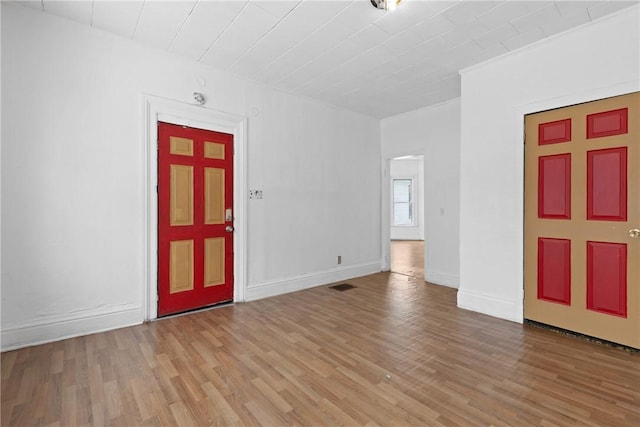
{"x":385,"y":218}
{"x":160,"y":109}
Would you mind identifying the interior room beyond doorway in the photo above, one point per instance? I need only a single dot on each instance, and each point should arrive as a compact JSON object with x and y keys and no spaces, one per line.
{"x":407,"y":216}
{"x":407,"y":257}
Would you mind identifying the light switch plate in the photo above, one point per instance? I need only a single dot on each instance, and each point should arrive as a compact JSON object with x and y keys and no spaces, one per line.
{"x":255,"y":194}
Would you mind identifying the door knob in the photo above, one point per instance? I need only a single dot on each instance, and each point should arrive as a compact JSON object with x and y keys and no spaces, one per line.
{"x":634,"y":233}
{"x":229,"y":229}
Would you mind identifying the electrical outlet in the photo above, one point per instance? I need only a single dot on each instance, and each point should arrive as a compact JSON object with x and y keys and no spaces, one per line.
{"x":339,"y":259}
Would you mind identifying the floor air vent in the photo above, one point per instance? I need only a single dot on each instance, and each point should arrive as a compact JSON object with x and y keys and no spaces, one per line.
{"x":342,"y":287}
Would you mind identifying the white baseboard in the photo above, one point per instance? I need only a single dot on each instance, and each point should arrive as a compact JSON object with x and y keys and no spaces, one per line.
{"x":57,"y":328}
{"x":493,"y":306}
{"x":442,"y":279}
{"x":297,"y":283}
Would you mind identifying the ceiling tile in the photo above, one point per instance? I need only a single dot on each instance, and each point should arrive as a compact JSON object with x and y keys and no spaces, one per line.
{"x":521,"y":40}
{"x":358,"y":14}
{"x":160,"y":22}
{"x":432,"y":27}
{"x":334,"y":32}
{"x":497,"y":35}
{"x":79,"y":11}
{"x":367,"y":60}
{"x":504,"y":12}
{"x":400,"y":43}
{"x":463,"y":33}
{"x":118,"y":17}
{"x":278,"y":8}
{"x":433,"y":48}
{"x":265,"y":51}
{"x":534,"y":5}
{"x":559,"y":25}
{"x":536,"y":18}
{"x":490,"y":51}
{"x":607,"y":7}
{"x":249,"y":26}
{"x":461,"y":56}
{"x":315,"y":13}
{"x":369,"y":36}
{"x":409,"y":73}
{"x":329,"y":60}
{"x":569,"y":8}
{"x":306,"y":18}
{"x":207,"y":22}
{"x":468,"y":11}
{"x":409,"y":14}
{"x":438,"y":7}
{"x":296,"y":58}
{"x":388,"y":68}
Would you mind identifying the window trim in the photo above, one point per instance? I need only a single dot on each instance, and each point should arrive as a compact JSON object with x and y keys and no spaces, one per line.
{"x":412,"y":200}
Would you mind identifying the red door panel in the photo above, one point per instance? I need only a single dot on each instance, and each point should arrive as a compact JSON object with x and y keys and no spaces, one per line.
{"x":554,"y":186}
{"x":607,"y":184}
{"x":607,"y":278}
{"x":607,"y":123}
{"x":554,"y":270}
{"x":554,"y":132}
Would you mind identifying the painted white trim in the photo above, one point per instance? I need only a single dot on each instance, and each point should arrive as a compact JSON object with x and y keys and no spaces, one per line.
{"x":442,"y":279}
{"x":156,"y":109}
{"x":385,"y":203}
{"x":385,"y":217}
{"x":490,"y":305}
{"x":55,"y":328}
{"x":297,"y":283}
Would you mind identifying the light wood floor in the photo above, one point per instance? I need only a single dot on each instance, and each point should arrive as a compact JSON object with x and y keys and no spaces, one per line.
{"x":392,"y":352}
{"x":407,"y":257}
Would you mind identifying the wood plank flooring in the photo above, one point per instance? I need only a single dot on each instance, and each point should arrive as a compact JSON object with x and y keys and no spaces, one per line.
{"x":407,"y":257}
{"x":394,"y":351}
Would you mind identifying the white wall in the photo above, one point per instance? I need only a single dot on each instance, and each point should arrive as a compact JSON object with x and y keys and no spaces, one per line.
{"x":74,"y":178}
{"x":433,"y":132}
{"x":414,"y":169}
{"x":594,"y":61}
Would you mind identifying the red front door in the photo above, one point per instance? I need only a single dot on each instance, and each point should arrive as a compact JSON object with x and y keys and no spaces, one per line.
{"x":195,"y":218}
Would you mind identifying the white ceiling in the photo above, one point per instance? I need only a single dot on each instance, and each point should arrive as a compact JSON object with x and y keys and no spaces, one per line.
{"x":344,"y":52}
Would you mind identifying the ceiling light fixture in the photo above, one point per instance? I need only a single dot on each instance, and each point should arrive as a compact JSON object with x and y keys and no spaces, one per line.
{"x":385,"y":4}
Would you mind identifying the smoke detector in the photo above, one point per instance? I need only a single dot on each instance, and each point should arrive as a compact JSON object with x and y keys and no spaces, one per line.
{"x":385,"y":4}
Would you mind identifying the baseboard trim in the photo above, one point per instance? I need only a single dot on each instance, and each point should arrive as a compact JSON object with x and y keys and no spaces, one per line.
{"x":442,"y":279}
{"x":298,"y":283}
{"x":58,"y":328}
{"x":493,"y":306}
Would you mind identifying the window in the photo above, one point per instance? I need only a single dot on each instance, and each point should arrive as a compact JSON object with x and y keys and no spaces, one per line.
{"x":403,"y":201}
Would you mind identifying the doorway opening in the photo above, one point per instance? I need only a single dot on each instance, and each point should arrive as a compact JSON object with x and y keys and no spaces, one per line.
{"x":407,"y":245}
